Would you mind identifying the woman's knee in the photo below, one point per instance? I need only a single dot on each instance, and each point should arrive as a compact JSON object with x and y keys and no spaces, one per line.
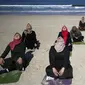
{"x":48,"y":68}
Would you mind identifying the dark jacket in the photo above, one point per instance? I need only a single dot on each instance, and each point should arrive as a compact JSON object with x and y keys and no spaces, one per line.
{"x":69,"y":41}
{"x":81,"y":24}
{"x":77,"y":33}
{"x":29,"y":39}
{"x":59,"y":59}
{"x":19,"y":51}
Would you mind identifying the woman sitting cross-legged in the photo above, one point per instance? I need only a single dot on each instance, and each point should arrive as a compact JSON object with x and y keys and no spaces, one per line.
{"x":60,"y":66}
{"x":17,"y":48}
{"x":29,"y":37}
{"x":82,"y":24}
{"x":66,"y":36}
{"x":76,"y":35}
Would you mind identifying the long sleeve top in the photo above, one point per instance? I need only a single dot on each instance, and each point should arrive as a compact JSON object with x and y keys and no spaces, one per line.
{"x":75,"y":34}
{"x":18,"y":51}
{"x":81,"y":24}
{"x":69,"y":41}
{"x":59,"y":60}
{"x":29,"y":38}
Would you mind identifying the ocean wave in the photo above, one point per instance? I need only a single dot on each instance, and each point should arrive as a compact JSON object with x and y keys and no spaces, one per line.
{"x":41,"y":9}
{"x":31,"y":7}
{"x":35,"y":5}
{"x":42,"y":6}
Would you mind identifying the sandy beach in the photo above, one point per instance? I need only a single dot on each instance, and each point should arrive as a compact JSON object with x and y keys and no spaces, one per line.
{"x":46,"y":28}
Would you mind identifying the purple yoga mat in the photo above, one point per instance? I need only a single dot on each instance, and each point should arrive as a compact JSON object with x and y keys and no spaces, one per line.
{"x":56,"y":82}
{"x":60,"y":82}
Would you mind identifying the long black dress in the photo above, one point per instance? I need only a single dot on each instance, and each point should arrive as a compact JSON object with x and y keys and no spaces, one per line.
{"x":29,"y":39}
{"x":59,"y":60}
{"x":18,"y":51}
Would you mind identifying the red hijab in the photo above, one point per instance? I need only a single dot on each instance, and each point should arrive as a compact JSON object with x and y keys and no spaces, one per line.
{"x":64,"y":33}
{"x":14,"y":43}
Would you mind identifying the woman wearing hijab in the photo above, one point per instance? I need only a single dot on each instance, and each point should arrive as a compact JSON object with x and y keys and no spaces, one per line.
{"x":59,"y":61}
{"x":76,"y":35}
{"x":82,"y":24}
{"x":17,"y":48}
{"x":29,"y":37}
{"x":66,"y":36}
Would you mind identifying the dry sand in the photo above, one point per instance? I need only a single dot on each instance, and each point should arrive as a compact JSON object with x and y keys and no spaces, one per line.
{"x":47,"y":28}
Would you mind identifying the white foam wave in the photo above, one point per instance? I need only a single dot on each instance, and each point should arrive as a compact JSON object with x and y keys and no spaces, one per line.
{"x":76,"y":7}
{"x":47,"y":11}
{"x":44,"y":6}
{"x":38,"y":6}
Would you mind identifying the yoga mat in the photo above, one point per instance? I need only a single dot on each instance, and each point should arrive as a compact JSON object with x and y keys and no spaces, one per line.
{"x":78,"y":43}
{"x":10,"y":77}
{"x":56,"y":81}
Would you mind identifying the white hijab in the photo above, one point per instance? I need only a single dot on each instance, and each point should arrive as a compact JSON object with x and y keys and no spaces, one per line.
{"x":59,"y":45}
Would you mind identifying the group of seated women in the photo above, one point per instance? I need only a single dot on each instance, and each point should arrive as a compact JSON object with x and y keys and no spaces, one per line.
{"x":75,"y":32}
{"x":59,"y":53}
{"x":59,"y":57}
{"x":18,"y":47}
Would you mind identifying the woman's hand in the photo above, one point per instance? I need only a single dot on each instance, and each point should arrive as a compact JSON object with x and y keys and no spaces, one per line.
{"x":76,"y":37}
{"x":55,"y":71}
{"x":1,"y":61}
{"x":61,"y":71}
{"x":69,"y":44}
{"x":19,"y":61}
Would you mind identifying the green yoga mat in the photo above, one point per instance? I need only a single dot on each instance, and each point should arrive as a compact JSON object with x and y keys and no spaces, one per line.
{"x":10,"y":77}
{"x":79,"y":43}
